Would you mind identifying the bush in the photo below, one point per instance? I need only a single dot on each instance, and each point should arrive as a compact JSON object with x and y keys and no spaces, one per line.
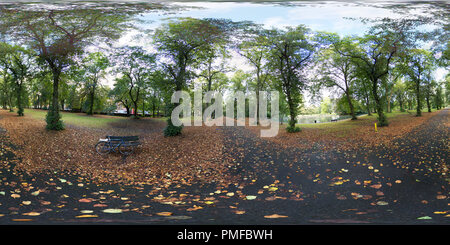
{"x":382,"y":120}
{"x":292,"y":128}
{"x":20,"y":112}
{"x":172,"y":130}
{"x":53,"y":119}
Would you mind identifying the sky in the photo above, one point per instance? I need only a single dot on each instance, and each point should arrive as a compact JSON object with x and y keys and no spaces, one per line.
{"x":328,"y":16}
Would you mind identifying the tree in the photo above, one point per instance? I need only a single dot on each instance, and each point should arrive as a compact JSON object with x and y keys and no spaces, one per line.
{"x":439,"y":98}
{"x":19,"y":62}
{"x":255,"y":49}
{"x":181,"y":43}
{"x":291,"y":52}
{"x":416,"y":65}
{"x":136,"y":66}
{"x":373,"y":55}
{"x":326,"y":106}
{"x":120,"y":93}
{"x":336,"y":70}
{"x":93,"y":69}
{"x":58,"y":34}
{"x":399,"y":92}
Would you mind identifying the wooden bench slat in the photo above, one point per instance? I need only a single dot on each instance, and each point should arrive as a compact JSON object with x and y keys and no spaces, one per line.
{"x":124,"y":138}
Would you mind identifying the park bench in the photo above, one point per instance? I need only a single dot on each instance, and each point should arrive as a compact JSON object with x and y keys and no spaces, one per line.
{"x":125,"y":144}
{"x":334,"y":120}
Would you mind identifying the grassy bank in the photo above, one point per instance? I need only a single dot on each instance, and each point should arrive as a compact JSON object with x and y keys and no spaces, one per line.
{"x":78,"y":119}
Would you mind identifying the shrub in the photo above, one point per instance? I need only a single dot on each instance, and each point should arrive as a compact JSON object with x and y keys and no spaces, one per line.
{"x":172,"y":130}
{"x":53,"y":119}
{"x":292,"y":128}
{"x":20,"y":112}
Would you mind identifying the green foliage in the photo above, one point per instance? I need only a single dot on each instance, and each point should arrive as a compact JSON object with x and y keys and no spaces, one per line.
{"x":172,"y":130}
{"x":53,"y":119}
{"x":291,"y":128}
{"x":20,"y":112}
{"x":343,"y":108}
{"x":326,"y":107}
{"x":382,"y":120}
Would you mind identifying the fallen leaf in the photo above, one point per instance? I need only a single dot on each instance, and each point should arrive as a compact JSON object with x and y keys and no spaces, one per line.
{"x":112,"y":211}
{"x":250,"y":197}
{"x":425,"y":217}
{"x":32,"y":214}
{"x":275,"y":216}
{"x":99,"y":205}
{"x":87,"y":216}
{"x":195,"y":207}
{"x":84,"y":200}
{"x":376,"y":186}
{"x":164,"y":213}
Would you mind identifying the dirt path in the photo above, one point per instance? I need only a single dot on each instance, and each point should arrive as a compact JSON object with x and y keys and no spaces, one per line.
{"x":400,"y":184}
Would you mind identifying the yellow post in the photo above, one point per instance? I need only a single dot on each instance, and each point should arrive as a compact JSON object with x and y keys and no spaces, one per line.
{"x":376,"y":127}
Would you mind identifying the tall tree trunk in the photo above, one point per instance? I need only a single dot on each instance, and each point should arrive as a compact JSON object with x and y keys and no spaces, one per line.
{"x":135,"y":109}
{"x":291,"y":107}
{"x":53,"y":117}
{"x":400,"y":102}
{"x":91,"y":105}
{"x":428,"y":102}
{"x":128,"y":110}
{"x":382,"y":120}
{"x":419,"y":104}
{"x":19,"y":100}
{"x":350,"y":104}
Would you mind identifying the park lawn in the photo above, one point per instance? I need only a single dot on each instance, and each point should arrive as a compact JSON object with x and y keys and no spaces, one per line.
{"x":193,"y":156}
{"x":350,"y":134}
{"x":78,"y":119}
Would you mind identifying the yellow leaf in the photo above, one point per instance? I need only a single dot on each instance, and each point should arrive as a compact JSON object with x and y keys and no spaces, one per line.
{"x":164,"y":213}
{"x":15,"y":195}
{"x":32,"y":214}
{"x":87,"y":216}
{"x":275,"y":216}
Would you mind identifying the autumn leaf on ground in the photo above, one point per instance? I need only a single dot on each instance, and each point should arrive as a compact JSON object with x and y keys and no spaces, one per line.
{"x":275,"y":216}
{"x":164,"y":213}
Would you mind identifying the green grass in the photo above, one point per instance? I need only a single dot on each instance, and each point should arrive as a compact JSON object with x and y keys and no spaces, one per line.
{"x":348,"y":124}
{"x":77,"y":119}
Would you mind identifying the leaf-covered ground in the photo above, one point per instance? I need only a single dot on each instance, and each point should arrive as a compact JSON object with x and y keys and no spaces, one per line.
{"x":244,"y":180}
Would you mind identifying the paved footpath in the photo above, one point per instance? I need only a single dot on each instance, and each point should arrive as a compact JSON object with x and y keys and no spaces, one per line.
{"x":401,"y":184}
